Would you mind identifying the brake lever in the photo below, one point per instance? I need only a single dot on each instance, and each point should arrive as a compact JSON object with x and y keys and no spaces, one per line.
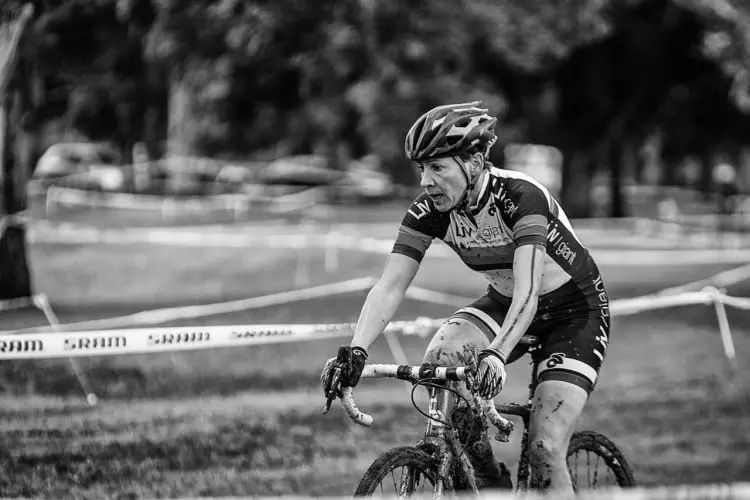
{"x":335,"y":380}
{"x":471,"y":360}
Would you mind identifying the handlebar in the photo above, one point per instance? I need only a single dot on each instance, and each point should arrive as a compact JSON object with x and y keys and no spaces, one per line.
{"x":419,"y":373}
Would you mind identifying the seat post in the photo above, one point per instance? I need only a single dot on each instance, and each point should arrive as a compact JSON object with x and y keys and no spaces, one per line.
{"x":534,"y":344}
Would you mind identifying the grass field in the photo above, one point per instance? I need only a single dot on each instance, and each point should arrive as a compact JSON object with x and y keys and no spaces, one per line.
{"x":246,"y":421}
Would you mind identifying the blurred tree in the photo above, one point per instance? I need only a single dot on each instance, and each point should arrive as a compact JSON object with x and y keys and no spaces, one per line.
{"x":595,"y":78}
{"x":186,"y":40}
{"x":91,"y":66}
{"x":15,"y":97}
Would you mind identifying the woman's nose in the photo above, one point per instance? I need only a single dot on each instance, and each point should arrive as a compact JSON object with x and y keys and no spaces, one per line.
{"x":426,"y":179}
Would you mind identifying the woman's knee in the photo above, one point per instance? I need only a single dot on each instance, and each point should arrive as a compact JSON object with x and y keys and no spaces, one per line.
{"x":556,"y":408}
{"x":547,"y":450}
{"x":454,"y":337}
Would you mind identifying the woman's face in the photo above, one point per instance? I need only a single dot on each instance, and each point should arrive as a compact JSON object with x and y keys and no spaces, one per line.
{"x":444,"y":180}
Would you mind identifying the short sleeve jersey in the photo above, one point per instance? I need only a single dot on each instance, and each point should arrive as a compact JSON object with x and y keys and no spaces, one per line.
{"x":513,"y":210}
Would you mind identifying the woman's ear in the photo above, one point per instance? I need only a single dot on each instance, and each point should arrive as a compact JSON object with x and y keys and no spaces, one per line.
{"x":476,"y":163}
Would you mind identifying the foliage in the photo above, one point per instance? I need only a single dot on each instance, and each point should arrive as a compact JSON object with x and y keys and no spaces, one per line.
{"x":299,"y":77}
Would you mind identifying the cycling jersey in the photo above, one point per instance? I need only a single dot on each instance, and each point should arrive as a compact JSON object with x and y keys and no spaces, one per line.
{"x":572,"y":320}
{"x":512,"y":210}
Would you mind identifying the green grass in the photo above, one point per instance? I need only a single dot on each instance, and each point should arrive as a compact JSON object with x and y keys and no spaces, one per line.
{"x":246,"y":421}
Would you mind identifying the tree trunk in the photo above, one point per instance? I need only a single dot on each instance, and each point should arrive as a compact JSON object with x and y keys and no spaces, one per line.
{"x":576,"y":185}
{"x":616,"y":159}
{"x":707,"y":166}
{"x":181,"y":137}
{"x":15,"y":279}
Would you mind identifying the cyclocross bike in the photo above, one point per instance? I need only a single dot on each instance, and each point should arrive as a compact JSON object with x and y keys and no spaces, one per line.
{"x":438,"y":461}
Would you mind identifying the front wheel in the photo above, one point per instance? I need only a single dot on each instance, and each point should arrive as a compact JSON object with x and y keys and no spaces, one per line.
{"x":587,"y":452}
{"x":400,"y":472}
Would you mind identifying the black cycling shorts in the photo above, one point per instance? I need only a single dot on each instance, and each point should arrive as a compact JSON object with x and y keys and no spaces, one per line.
{"x":572,"y":323}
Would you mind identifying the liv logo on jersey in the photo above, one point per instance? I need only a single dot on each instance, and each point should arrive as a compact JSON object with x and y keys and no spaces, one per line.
{"x":509,"y":207}
{"x":423,"y":208}
{"x":469,"y":237}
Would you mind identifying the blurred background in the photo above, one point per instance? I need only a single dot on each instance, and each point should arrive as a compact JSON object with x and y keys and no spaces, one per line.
{"x":163,"y":154}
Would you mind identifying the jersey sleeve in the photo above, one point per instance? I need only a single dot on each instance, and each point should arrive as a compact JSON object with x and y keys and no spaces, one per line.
{"x":421,"y":224}
{"x":525,"y":209}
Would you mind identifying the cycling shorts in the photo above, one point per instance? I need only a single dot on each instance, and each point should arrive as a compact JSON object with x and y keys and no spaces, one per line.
{"x":572,"y":323}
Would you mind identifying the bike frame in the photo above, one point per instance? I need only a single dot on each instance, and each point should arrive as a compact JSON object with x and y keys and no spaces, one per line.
{"x":443,"y":442}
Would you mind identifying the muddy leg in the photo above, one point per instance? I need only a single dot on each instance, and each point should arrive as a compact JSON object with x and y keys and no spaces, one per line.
{"x":447,"y":349}
{"x":556,"y":407}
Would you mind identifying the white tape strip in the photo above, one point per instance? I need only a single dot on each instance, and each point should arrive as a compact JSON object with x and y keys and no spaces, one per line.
{"x":621,"y":307}
{"x":59,"y":195}
{"x":132,"y":341}
{"x":739,"y":303}
{"x":72,"y":234}
{"x":720,"y":280}
{"x":642,"y":258}
{"x":626,"y":307}
{"x":234,"y":202}
{"x":13,"y":304}
{"x":16,"y":219}
{"x":722,"y":491}
{"x":77,"y":234}
{"x":111,"y":342}
{"x":165,"y":315}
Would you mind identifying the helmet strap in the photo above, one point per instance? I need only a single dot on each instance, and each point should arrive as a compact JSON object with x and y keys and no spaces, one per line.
{"x":465,"y":201}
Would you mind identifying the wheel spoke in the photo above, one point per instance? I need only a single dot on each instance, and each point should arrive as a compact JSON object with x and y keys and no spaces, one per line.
{"x":596,"y":470}
{"x":404,"y":480}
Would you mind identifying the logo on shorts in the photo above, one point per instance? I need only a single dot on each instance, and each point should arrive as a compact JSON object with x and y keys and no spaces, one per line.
{"x":560,"y":361}
{"x":556,"y":359}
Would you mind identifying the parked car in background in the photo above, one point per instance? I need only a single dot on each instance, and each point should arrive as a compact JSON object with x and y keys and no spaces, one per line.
{"x":300,"y":170}
{"x":365,"y":180}
{"x":361,"y":179}
{"x":82,"y":164}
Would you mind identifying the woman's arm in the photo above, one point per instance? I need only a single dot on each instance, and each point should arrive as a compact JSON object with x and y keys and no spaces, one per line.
{"x":384,"y":299}
{"x":528,"y":264}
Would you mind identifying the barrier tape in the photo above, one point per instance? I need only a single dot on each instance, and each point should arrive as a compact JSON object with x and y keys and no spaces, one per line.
{"x":72,"y":196}
{"x":718,"y":491}
{"x":720,"y":280}
{"x":168,"y":314}
{"x":78,"y":234}
{"x":619,"y":307}
{"x":232,"y":202}
{"x":17,"y":303}
{"x":146,"y":340}
{"x":16,"y":219}
{"x":143,"y":340}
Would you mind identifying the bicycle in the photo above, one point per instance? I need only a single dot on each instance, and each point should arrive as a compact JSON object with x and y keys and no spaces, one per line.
{"x":439,"y":458}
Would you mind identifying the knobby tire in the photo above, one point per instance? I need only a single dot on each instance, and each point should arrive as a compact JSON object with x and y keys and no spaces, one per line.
{"x":601,"y":446}
{"x":406,"y":456}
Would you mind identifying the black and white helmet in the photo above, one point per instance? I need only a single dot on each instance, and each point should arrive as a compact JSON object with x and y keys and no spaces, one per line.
{"x":451,"y":130}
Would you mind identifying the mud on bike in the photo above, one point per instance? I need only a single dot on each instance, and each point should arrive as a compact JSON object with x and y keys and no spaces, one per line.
{"x":438,"y":462}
